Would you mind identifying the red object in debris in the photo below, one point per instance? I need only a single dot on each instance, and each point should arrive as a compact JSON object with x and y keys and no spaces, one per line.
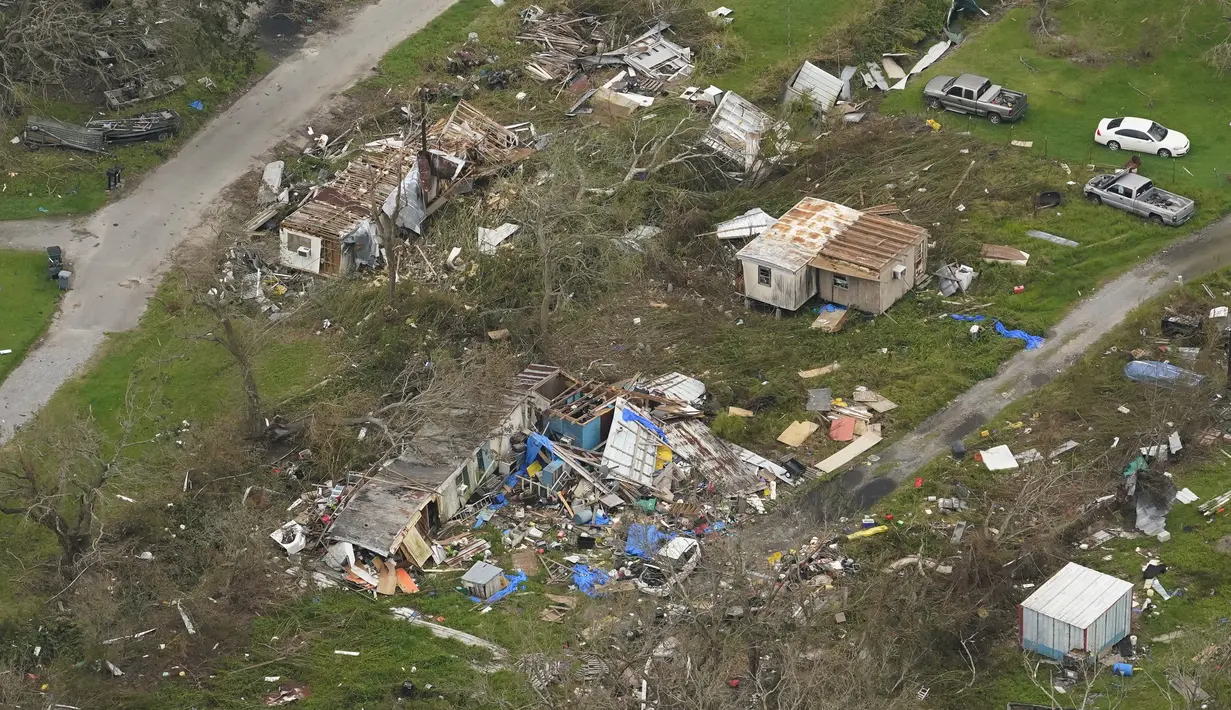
{"x":888,"y":516}
{"x":979,"y":456}
{"x":734,"y":682}
{"x":1018,"y":289}
{"x":918,"y":483}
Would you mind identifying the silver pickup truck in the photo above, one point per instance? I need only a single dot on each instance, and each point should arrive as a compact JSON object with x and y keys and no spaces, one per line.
{"x":1136,"y":194}
{"x":975,"y":95}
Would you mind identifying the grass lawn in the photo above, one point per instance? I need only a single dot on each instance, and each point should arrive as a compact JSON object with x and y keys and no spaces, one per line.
{"x":31,"y":302}
{"x":53,"y":181}
{"x":1082,"y":404}
{"x":1135,"y":61}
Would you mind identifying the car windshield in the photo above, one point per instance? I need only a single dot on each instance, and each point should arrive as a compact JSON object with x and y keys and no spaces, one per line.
{"x":1157,"y":132}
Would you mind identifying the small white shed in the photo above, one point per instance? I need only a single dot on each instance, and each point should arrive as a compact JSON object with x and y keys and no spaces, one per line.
{"x":1077,"y":609}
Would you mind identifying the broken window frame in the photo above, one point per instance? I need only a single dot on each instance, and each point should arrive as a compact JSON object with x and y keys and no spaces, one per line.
{"x":841,"y":282}
{"x":764,"y":276}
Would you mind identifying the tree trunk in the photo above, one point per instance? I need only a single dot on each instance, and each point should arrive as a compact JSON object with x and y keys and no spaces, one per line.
{"x":253,"y":395}
{"x":548,"y":286}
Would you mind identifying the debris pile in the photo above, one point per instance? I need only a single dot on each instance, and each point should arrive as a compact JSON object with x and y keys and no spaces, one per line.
{"x":606,"y":487}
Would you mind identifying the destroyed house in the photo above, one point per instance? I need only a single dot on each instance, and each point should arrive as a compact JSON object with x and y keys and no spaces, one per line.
{"x":408,"y":497}
{"x":820,"y":248}
{"x":336,"y":228}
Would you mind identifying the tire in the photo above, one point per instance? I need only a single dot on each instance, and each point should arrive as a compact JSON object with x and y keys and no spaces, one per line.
{"x":1164,"y":153}
{"x":993,"y":117}
{"x":1156,"y":219}
{"x":1094,"y":199}
{"x":1112,"y":145}
{"x":934,"y":103}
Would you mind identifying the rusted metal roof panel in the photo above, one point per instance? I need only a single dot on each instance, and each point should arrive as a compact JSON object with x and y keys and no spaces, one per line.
{"x":820,"y":228}
{"x":709,"y":457}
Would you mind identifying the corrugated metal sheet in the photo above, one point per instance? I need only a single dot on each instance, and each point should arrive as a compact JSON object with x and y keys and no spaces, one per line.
{"x":631,"y":451}
{"x":709,"y":457}
{"x":818,"y":85}
{"x":834,"y":233}
{"x":677,"y":386}
{"x":1077,"y":608}
{"x":750,"y":224}
{"x":757,"y":462}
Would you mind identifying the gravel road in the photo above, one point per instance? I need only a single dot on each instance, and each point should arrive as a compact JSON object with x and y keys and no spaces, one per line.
{"x":119,"y":253}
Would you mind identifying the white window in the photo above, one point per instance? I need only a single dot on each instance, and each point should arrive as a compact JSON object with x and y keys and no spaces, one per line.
{"x":763,"y":277}
{"x":840,"y":282}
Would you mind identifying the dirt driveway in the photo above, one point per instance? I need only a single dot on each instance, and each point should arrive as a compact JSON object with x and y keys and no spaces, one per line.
{"x":1201,"y":253}
{"x":119,"y":252}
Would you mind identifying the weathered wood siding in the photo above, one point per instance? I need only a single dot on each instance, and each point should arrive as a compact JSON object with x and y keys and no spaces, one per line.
{"x":786,"y":289}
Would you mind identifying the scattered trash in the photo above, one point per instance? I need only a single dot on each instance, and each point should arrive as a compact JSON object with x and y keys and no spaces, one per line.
{"x":197,"y":105}
{"x":992,"y":253}
{"x":286,"y":694}
{"x":1161,"y":373}
{"x":997,"y":458}
{"x":798,"y":432}
{"x":1051,"y":238}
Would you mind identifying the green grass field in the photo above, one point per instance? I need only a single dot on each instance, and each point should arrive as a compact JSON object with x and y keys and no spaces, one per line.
{"x":1137,"y":61}
{"x":51,"y":181}
{"x":31,"y":300}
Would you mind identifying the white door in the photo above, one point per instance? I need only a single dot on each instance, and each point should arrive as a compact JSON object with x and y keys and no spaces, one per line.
{"x":1134,"y":140}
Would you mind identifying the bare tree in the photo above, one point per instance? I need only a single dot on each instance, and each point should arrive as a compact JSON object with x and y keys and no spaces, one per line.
{"x":58,"y":482}
{"x":654,"y":147}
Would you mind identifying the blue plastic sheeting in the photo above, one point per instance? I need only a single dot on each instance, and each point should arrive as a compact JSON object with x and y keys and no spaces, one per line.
{"x":487,"y":513}
{"x":1161,"y":373}
{"x":828,"y":308}
{"x":587,"y":578}
{"x":958,"y":316}
{"x":631,"y":416}
{"x":197,"y":105}
{"x":515,"y":582}
{"x":600,"y":518}
{"x":1033,"y":342}
{"x":644,"y":540}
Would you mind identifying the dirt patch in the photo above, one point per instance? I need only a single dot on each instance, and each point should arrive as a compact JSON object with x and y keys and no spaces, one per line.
{"x":1224,"y":544}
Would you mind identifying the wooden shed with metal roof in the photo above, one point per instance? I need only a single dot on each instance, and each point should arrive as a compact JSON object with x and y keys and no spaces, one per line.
{"x":848,"y":257}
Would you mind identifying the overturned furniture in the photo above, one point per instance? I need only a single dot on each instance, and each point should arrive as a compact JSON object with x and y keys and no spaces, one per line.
{"x":848,"y":257}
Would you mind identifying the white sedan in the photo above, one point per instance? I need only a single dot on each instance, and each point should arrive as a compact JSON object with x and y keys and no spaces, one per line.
{"x":1141,"y":135}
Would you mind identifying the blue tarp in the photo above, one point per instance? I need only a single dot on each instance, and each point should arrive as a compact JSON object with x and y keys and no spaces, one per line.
{"x":487,"y":513}
{"x":828,"y":308}
{"x":535,"y":443}
{"x":631,"y":416}
{"x":515,"y":582}
{"x":587,"y":578}
{"x":1161,"y":373}
{"x":1033,"y":342}
{"x":644,"y":540}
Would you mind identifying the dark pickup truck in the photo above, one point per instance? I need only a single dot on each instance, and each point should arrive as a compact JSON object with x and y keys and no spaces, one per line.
{"x":975,"y":95}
